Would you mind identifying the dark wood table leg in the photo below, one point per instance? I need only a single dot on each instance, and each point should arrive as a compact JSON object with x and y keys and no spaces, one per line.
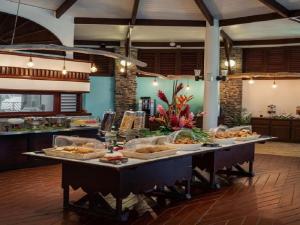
{"x":66,"y":196}
{"x":251,"y":171}
{"x":121,"y":215}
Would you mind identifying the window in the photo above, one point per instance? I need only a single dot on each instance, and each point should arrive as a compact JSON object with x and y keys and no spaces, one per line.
{"x":26,"y":103}
{"x":68,"y":102}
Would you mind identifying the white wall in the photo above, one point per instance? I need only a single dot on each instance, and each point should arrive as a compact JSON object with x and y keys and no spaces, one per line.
{"x":44,"y":63}
{"x":43,"y":85}
{"x":258,"y":96}
{"x":63,"y":27}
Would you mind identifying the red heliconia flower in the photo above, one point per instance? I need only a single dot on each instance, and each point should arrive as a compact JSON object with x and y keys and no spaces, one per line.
{"x":186,"y":111}
{"x":163,"y":97}
{"x":174,"y":121}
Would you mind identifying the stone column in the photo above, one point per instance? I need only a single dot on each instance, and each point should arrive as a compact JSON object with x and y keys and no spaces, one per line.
{"x":125,"y":87}
{"x":211,"y":71}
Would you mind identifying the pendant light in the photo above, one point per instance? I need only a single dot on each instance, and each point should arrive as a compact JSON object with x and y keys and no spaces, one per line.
{"x":30,"y":63}
{"x":94,"y":69}
{"x":155,"y":82}
{"x":251,"y":81}
{"x":64,"y":70}
{"x":274,"y":85}
{"x":124,"y":63}
{"x":188,"y":86}
{"x":122,"y":70}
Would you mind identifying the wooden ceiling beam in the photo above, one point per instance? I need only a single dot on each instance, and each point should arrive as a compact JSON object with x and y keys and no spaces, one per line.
{"x":277,"y":7}
{"x":205,"y":11}
{"x":64,"y":7}
{"x":134,"y":11}
{"x":250,"y":19}
{"x":18,"y":27}
{"x":140,"y":22}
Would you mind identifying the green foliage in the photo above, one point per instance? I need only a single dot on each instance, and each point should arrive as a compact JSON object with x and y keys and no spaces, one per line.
{"x":242,"y":119}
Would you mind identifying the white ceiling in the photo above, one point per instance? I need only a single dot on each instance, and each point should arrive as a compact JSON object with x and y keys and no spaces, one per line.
{"x":174,"y":10}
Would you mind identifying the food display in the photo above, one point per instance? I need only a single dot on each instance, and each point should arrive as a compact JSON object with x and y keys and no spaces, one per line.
{"x":150,"y":151}
{"x":76,"y":148}
{"x":230,"y":136}
{"x":75,"y":152}
{"x":189,"y":136}
{"x":84,"y":122}
{"x":139,"y":121}
{"x":108,"y":120}
{"x":127,"y":120}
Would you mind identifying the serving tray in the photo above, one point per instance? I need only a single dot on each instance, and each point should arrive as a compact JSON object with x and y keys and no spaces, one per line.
{"x":98,"y":153}
{"x":133,"y":154}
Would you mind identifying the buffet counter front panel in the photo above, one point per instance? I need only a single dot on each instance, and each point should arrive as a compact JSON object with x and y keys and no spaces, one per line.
{"x":137,"y":176}
{"x":13,"y":144}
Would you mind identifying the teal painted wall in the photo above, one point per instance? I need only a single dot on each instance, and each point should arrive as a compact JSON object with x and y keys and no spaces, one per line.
{"x":146,"y":89}
{"x":101,"y":96}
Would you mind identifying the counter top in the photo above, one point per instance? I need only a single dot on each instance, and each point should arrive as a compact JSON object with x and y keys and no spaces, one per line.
{"x":4,"y":133}
{"x":188,"y":150}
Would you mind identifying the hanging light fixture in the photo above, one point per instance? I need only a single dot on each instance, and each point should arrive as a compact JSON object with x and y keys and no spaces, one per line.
{"x":188,"y":86}
{"x":231,"y":62}
{"x":94,"y":69}
{"x":124,"y":63}
{"x":64,"y":70}
{"x":30,"y":63}
{"x":122,"y":70}
{"x":251,"y":81}
{"x":274,"y":85}
{"x":155,"y":82}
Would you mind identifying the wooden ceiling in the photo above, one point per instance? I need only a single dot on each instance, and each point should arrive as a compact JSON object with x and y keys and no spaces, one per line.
{"x":26,"y":31}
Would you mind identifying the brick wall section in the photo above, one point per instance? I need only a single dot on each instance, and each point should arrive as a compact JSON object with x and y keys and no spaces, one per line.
{"x":125,"y":88}
{"x":231,"y":91}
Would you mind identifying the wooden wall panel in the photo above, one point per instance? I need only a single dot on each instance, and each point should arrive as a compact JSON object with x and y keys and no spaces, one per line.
{"x":172,"y":61}
{"x":280,"y":59}
{"x":276,"y":60}
{"x":293,"y":58}
{"x":254,"y":60}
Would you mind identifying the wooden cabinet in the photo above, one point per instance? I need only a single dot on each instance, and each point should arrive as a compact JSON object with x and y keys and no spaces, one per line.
{"x":286,"y":130}
{"x":295,"y":132}
{"x":280,"y":59}
{"x":261,"y":126}
{"x":281,"y":129}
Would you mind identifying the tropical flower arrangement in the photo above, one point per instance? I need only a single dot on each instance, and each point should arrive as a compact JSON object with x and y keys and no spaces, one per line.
{"x":178,"y":114}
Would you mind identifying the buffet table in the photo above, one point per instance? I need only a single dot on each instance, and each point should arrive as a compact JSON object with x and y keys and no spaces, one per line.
{"x":138,"y":176}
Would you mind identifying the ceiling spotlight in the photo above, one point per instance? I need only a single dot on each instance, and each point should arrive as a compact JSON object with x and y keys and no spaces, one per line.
{"x":172,"y":44}
{"x":94,"y":68}
{"x":123,"y":63}
{"x":30,"y":63}
{"x":251,"y":81}
{"x":274,"y":85}
{"x":178,"y":46}
{"x":155,"y":82}
{"x":232,"y":63}
{"x":122,"y":70}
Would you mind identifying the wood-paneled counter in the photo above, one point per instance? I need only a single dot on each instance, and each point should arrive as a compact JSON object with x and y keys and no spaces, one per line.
{"x":13,"y":144}
{"x":287,"y":130}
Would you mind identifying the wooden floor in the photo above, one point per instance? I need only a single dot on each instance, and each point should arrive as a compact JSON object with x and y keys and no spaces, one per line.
{"x":272,"y":197}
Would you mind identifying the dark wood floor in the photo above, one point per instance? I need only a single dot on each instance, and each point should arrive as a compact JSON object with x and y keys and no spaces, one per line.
{"x":272,"y":197}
